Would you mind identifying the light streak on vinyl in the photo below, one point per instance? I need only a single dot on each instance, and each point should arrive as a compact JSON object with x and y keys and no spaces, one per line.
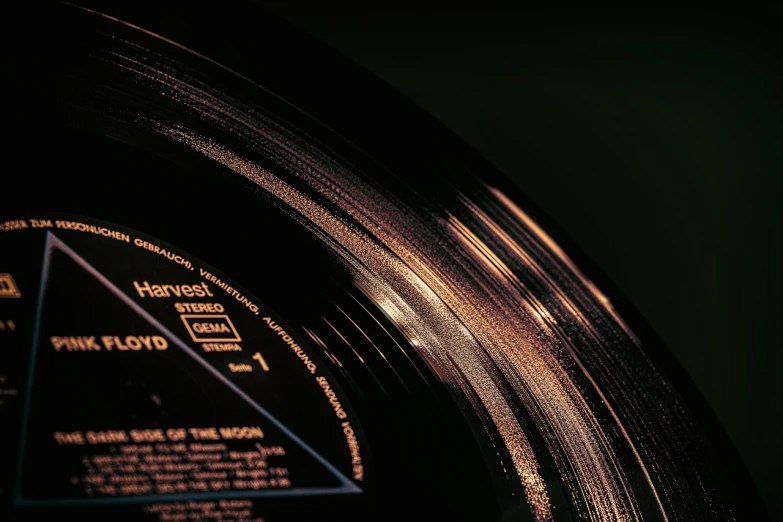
{"x":277,"y":323}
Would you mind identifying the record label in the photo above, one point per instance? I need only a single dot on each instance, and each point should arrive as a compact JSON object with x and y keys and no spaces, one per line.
{"x":135,"y":376}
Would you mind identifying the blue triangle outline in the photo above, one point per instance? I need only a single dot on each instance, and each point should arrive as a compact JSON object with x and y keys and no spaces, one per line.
{"x":346,"y":485}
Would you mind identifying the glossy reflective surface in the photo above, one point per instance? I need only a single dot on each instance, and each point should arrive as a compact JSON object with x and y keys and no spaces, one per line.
{"x":439,"y":279}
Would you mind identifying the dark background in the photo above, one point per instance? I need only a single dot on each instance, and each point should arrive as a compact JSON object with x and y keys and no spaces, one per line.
{"x":655,"y":139}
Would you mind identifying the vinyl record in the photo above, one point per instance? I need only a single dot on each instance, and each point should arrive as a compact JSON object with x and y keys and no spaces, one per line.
{"x":243,"y":280}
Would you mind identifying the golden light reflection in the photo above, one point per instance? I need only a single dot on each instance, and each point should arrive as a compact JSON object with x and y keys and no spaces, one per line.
{"x":528,"y":345}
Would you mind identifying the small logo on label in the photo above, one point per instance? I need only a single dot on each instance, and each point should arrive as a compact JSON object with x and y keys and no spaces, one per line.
{"x":7,"y":286}
{"x":209,"y":328}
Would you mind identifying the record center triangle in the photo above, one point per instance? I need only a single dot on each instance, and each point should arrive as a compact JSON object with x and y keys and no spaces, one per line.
{"x":53,"y":242}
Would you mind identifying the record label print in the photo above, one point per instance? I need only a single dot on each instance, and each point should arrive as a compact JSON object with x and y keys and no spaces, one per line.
{"x":243,"y":280}
{"x":152,"y":378}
